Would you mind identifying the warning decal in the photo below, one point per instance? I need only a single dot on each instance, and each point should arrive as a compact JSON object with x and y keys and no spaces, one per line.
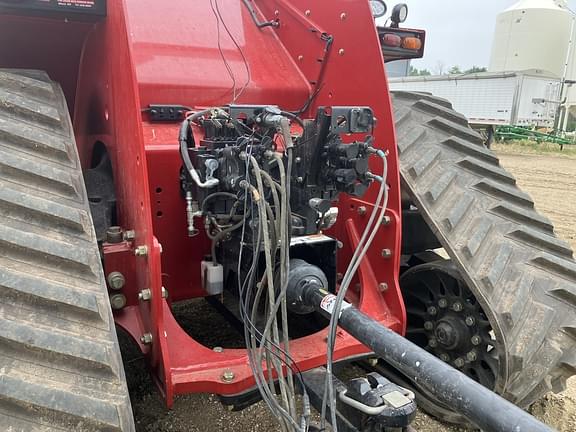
{"x":329,"y":302}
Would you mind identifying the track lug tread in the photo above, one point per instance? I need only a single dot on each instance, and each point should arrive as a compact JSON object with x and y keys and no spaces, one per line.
{"x":476,"y":241}
{"x":438,"y":190}
{"x":464,"y":147}
{"x":505,"y":193}
{"x":78,"y":411}
{"x":424,"y":163}
{"x":412,"y":137}
{"x":507,"y":252}
{"x":60,"y":363}
{"x":46,"y":177}
{"x":456,"y":130}
{"x":523,"y":217}
{"x":486,"y":170}
{"x":436,"y":109}
{"x":23,"y":108}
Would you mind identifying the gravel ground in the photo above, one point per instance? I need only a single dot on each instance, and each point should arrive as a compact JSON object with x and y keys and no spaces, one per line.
{"x":550,"y":179}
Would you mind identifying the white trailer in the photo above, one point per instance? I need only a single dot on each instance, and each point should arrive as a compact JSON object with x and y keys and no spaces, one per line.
{"x":528,"y":98}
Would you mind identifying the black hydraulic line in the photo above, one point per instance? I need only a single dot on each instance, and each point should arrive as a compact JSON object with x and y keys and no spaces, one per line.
{"x":485,"y":409}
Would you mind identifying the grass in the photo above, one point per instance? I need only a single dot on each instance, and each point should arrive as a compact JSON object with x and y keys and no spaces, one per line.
{"x":532,"y":147}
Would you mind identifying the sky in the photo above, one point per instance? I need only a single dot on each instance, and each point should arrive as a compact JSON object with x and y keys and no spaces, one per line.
{"x":459,"y":32}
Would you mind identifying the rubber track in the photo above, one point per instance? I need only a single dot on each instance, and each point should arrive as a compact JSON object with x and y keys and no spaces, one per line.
{"x":60,"y":364}
{"x":523,"y":275}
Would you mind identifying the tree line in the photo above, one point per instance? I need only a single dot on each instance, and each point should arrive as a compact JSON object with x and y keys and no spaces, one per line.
{"x":454,"y":70}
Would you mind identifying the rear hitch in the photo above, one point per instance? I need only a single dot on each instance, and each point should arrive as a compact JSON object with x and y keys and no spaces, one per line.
{"x":485,"y":409}
{"x":366,"y":404}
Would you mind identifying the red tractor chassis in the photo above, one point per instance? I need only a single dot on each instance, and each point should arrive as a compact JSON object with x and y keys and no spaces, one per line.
{"x":155,"y":52}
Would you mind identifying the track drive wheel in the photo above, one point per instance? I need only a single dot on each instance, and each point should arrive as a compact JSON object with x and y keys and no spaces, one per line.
{"x":60,"y":364}
{"x":509,"y":276}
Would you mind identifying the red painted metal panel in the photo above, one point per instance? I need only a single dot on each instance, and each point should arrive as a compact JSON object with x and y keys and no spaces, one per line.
{"x":148,"y":52}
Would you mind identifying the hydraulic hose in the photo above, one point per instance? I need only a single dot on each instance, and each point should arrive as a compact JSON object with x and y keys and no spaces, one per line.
{"x":183,"y":140}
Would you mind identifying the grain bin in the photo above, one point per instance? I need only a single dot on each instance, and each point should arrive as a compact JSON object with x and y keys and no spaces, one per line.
{"x":532,"y":34}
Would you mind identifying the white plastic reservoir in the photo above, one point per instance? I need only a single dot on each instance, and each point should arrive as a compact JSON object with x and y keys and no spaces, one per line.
{"x":532,"y":34}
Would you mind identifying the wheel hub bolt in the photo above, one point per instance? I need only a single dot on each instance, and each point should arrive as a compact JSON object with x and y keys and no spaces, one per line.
{"x":433,"y":343}
{"x":472,"y":356}
{"x":459,"y":362}
{"x":432,"y":310}
{"x":457,"y":307}
{"x":445,"y":357}
{"x":429,"y":325}
{"x":476,"y":340}
{"x":470,"y":321}
{"x":442,"y":303}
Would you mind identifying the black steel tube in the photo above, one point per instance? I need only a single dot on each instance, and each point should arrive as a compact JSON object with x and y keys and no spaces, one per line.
{"x":481,"y":406}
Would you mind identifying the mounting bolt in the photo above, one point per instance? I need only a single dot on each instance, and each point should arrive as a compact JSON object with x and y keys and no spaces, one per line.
{"x":300,"y":57}
{"x":386,"y":253}
{"x":373,"y":361}
{"x":443,"y":303}
{"x":444,"y":357}
{"x":164,"y":293}
{"x":298,"y":160}
{"x":476,"y":340}
{"x":472,"y":356}
{"x":470,"y":321}
{"x":145,"y":294}
{"x":116,"y":280}
{"x":341,"y":51}
{"x":129,"y":235}
{"x":339,"y":244}
{"x":362,"y":210}
{"x":343,"y":16}
{"x":146,"y":338}
{"x":457,"y":307}
{"x":386,"y":220}
{"x":299,"y":179}
{"x":117,"y":301}
{"x":141,"y":251}
{"x":218,"y":349}
{"x":114,"y":234}
{"x":228,"y":376}
{"x":432,"y":310}
{"x":429,"y":325}
{"x":432,"y":343}
{"x":307,"y":12}
{"x":459,"y":362}
{"x":383,"y":287}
